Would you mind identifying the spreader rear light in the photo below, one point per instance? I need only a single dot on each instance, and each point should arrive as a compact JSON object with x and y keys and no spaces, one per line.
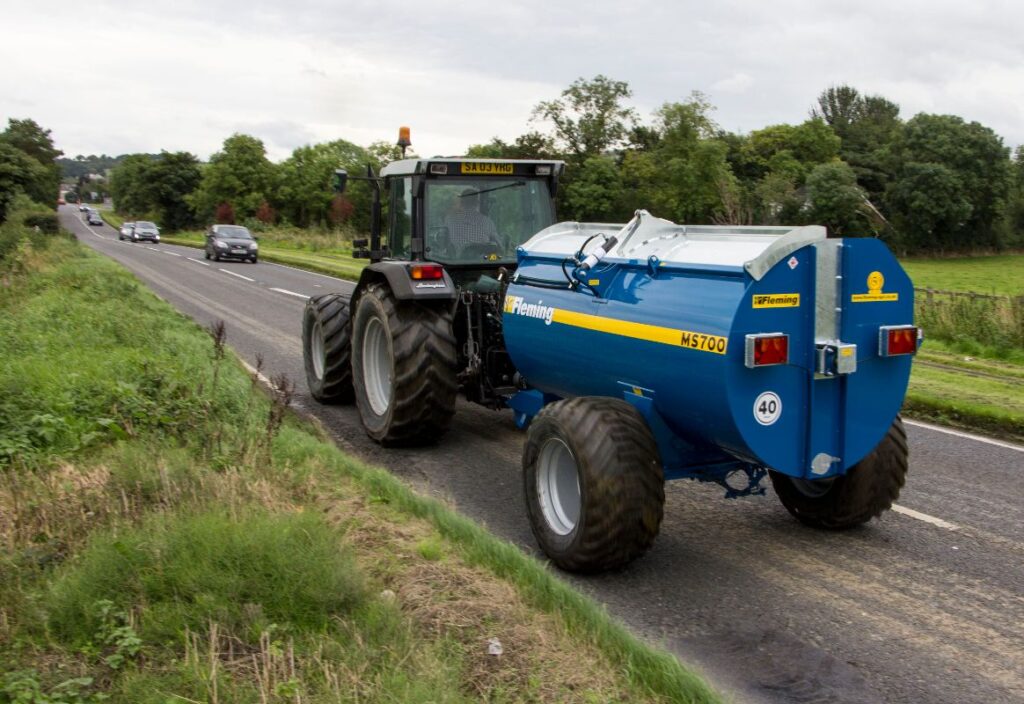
{"x":426,"y":272}
{"x":766,"y":349}
{"x":895,"y":340}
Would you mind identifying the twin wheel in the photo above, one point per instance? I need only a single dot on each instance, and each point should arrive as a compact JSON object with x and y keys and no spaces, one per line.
{"x":592,"y":475}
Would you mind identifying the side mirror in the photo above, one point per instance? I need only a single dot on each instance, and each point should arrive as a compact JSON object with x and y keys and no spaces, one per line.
{"x":340,"y":180}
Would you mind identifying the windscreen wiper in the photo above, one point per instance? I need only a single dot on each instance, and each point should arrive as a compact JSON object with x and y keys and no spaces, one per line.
{"x":496,"y":188}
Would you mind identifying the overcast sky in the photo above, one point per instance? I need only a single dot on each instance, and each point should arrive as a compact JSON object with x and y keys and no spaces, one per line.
{"x":114,"y":76}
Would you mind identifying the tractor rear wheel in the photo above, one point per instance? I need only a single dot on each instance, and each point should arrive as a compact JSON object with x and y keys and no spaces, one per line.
{"x":866,"y":491}
{"x":327,"y":348}
{"x":403,"y":366}
{"x":595,"y":492}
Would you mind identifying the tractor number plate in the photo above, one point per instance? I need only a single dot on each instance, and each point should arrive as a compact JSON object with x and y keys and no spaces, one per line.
{"x":478,"y":169}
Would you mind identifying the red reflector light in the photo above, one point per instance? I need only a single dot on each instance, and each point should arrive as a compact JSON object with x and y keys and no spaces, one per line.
{"x":899,"y":340}
{"x":763,"y":350}
{"x":771,"y":350}
{"x":426,"y":272}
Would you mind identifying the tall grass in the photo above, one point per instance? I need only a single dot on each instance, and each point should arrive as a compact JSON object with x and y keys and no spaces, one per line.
{"x":967,"y":319}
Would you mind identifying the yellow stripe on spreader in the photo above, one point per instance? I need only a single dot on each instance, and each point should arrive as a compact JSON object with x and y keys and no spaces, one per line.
{"x":642,"y":331}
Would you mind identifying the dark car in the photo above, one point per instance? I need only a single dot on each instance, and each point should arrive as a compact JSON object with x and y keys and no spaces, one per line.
{"x":231,"y":242}
{"x":93,"y":218}
{"x":144,"y":230}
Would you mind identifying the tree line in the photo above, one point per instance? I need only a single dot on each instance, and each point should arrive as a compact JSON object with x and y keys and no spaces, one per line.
{"x":240,"y":184}
{"x":930,"y":183}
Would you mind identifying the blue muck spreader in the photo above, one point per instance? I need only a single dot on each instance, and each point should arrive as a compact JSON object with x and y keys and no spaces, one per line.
{"x":631,"y":354}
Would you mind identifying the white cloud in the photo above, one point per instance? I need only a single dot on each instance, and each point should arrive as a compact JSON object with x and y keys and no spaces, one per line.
{"x":736,"y":83}
{"x":126,"y":76}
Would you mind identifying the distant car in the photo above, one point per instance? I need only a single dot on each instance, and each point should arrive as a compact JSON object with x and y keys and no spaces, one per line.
{"x":83,"y":207}
{"x":231,"y":242}
{"x":61,"y":201}
{"x":126,"y":230}
{"x":93,"y":218}
{"x":144,"y":230}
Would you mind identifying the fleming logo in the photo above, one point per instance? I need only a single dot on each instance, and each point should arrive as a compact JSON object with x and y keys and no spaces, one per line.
{"x":776,"y":300}
{"x":517,"y":305}
{"x":875,"y":283}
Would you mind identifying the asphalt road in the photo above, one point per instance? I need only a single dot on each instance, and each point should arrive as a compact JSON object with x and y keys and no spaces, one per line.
{"x":924,"y":605}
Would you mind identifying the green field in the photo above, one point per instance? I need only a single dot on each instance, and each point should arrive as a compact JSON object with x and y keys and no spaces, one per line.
{"x":998,"y":275}
{"x":170,"y":532}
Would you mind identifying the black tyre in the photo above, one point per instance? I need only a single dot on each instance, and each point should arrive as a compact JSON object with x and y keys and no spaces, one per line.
{"x":206,"y":253}
{"x":254,"y":260}
{"x":595,"y":492}
{"x":866,"y":491}
{"x":327,"y":348}
{"x":216,"y":257}
{"x":403,"y":368}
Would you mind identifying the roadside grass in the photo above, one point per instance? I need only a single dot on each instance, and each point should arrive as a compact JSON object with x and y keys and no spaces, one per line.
{"x":168,"y":531}
{"x":994,"y":275}
{"x":951,"y":397}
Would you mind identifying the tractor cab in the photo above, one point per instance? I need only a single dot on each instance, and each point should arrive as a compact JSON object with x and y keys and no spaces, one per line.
{"x":468,"y":215}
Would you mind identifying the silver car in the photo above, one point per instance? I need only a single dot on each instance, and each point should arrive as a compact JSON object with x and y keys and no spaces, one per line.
{"x":126,"y":231}
{"x":145,"y":230}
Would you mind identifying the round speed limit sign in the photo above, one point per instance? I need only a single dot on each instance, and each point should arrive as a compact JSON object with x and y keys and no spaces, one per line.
{"x":767,"y":408}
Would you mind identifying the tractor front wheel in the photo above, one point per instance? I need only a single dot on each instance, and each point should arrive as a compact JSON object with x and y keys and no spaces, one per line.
{"x":595,"y":492}
{"x":403,"y":366}
{"x":867,"y":490}
{"x":327,"y":349}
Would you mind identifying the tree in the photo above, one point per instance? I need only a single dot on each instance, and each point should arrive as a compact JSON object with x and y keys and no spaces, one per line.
{"x":41,"y":183}
{"x":589,"y":118}
{"x":174,"y":176}
{"x":840,"y":107}
{"x":929,"y":207}
{"x":596,"y":192}
{"x":239,"y":174}
{"x":944,"y":151}
{"x":835,"y":200}
{"x":1015,"y":200}
{"x":305,"y":189}
{"x":133,"y":186}
{"x":19,"y":174}
{"x":532,"y":145}
{"x":867,"y":125}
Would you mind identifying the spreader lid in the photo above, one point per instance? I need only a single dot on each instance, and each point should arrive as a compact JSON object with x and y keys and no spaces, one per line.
{"x":756,"y":249}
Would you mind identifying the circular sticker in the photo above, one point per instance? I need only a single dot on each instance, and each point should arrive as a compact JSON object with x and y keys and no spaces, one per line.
{"x":767,"y":408}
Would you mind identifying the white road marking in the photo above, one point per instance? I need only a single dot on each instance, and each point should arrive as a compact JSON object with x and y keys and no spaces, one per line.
{"x":291,"y":293}
{"x":314,"y":273}
{"x":197,"y":261}
{"x":228,"y":271}
{"x":925,"y":517}
{"x":153,"y":248}
{"x":173,"y":254}
{"x":968,"y":436}
{"x":96,"y":233}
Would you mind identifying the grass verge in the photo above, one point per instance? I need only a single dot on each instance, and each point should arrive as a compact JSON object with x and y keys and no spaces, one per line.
{"x":999,"y":275}
{"x":170,"y":532}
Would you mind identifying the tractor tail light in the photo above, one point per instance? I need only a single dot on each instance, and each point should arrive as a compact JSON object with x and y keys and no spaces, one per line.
{"x":426,"y":272}
{"x":766,"y":349}
{"x":895,"y":340}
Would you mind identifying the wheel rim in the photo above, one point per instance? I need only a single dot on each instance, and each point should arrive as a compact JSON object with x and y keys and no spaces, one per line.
{"x":812,"y":488}
{"x":316,"y":343}
{"x":377,"y":366}
{"x":558,"y":487}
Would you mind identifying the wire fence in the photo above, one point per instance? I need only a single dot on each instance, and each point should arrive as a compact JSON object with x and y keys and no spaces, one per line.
{"x":967,"y":316}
